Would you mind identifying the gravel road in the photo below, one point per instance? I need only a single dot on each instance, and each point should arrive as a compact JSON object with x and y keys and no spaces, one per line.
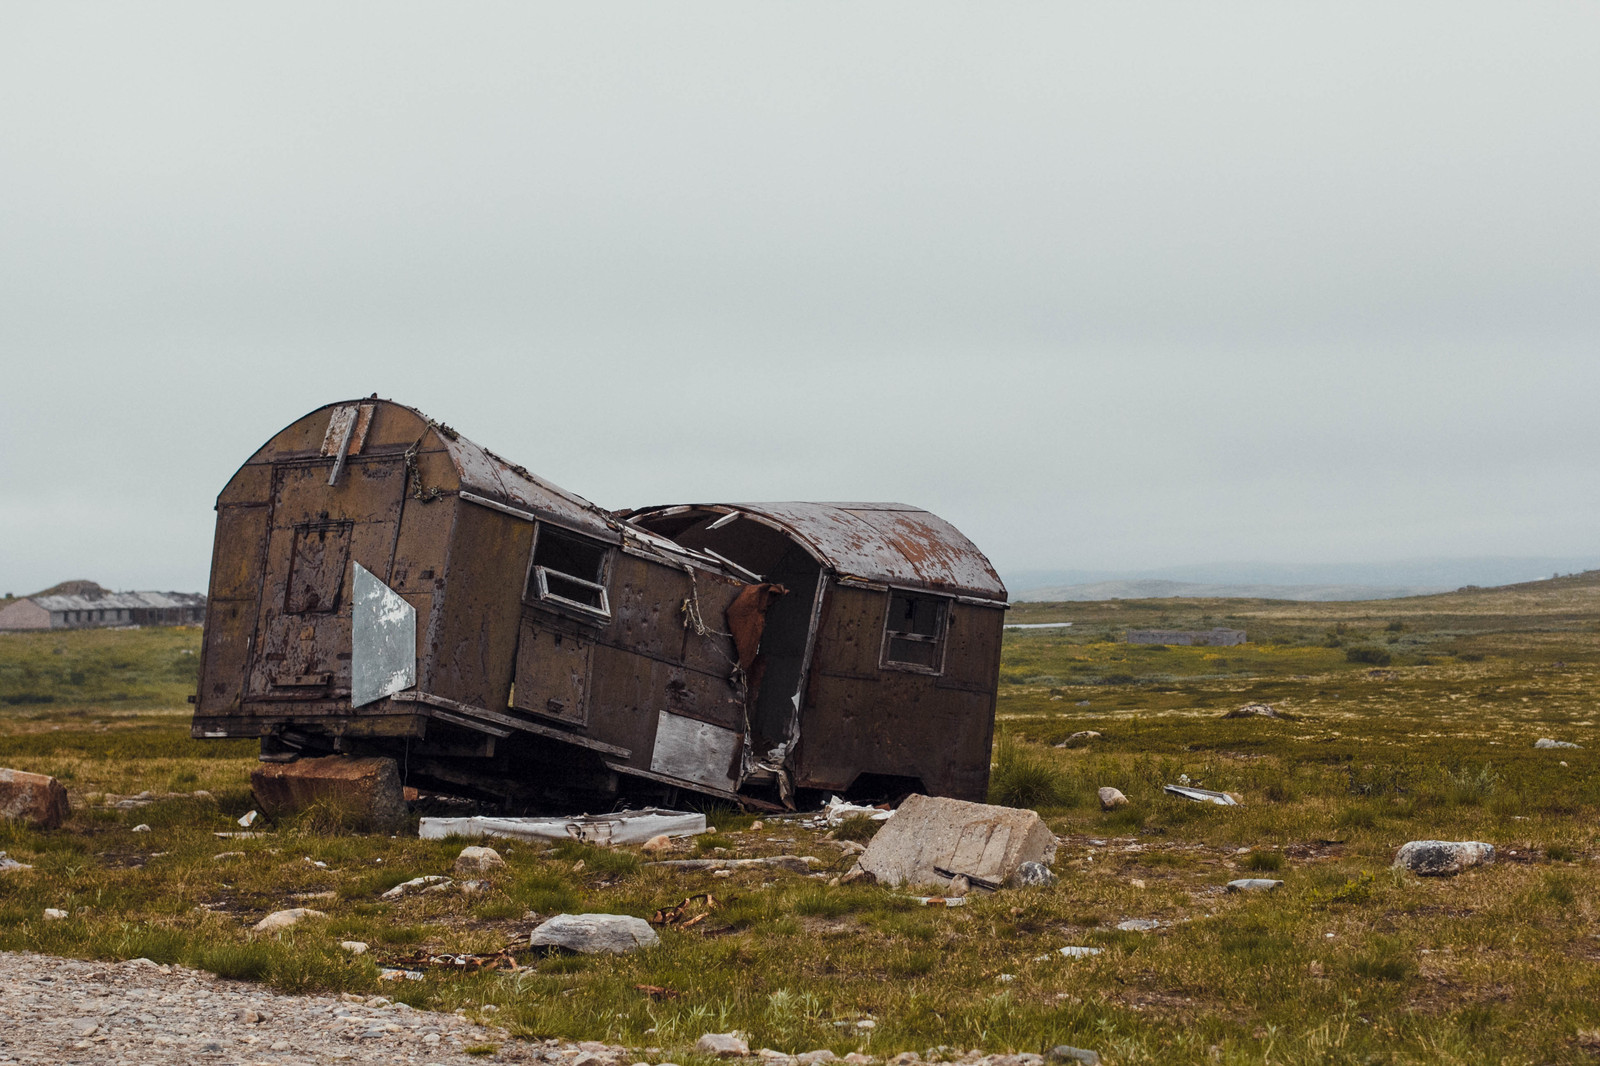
{"x":61,"y":1011}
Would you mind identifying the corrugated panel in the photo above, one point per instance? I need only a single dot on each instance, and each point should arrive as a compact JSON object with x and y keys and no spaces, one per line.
{"x":119,"y":600}
{"x":891,"y":543}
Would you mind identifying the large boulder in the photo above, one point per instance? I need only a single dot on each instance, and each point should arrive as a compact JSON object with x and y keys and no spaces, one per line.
{"x":364,"y":791}
{"x":37,"y":799}
{"x":1442,"y":858}
{"x":594,"y":934}
{"x":930,"y":840}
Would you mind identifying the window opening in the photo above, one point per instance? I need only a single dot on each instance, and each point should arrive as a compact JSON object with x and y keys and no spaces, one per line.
{"x":569,"y":570}
{"x":914,"y":632}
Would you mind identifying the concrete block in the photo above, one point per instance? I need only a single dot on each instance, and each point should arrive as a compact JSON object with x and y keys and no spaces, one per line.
{"x":366,"y":791}
{"x":929,"y":840}
{"x":37,"y":799}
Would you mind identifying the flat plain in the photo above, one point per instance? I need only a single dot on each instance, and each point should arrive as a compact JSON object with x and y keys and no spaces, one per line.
{"x":1399,"y":720}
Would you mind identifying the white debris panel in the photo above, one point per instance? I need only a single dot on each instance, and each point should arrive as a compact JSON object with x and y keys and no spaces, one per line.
{"x":606,"y":830}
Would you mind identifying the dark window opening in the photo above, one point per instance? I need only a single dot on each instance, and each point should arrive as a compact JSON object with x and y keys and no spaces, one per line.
{"x":914,"y":632}
{"x":569,"y":570}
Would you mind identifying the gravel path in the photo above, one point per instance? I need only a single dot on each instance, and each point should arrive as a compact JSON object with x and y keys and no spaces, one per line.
{"x":55,"y":1010}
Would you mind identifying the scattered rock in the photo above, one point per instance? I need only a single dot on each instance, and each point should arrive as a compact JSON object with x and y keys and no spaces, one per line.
{"x":11,"y":866}
{"x":1254,"y":884}
{"x":1442,"y":858}
{"x":591,"y":934}
{"x":38,"y":799}
{"x":248,"y":819}
{"x":478,"y":860}
{"x":859,"y":876}
{"x":54,"y":914}
{"x":1112,"y":798}
{"x":722,"y":1046}
{"x":928,"y":835}
{"x":1072,"y":951}
{"x":367,"y":790}
{"x":1083,"y":736}
{"x":757,"y":826}
{"x":141,"y":828}
{"x":959,"y":886}
{"x":284,"y":919}
{"x":1138,"y":925}
{"x":354,"y":947}
{"x":658,"y":843}
{"x":1257,"y":710}
{"x":1036,"y":874}
{"x":1068,"y":1053}
{"x":428,"y":883}
{"x":219,"y":856}
{"x":856,"y":1058}
{"x":1546,"y":742}
{"x":816,"y":1058}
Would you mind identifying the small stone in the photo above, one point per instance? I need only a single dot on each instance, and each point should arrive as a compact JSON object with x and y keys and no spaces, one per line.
{"x":757,"y":826}
{"x":1138,"y":925}
{"x":141,"y":828}
{"x":1074,"y":952}
{"x":865,"y":1023}
{"x":959,"y":886}
{"x":1546,"y":743}
{"x":11,"y":866}
{"x":428,"y":882}
{"x":1442,"y":858}
{"x":248,"y":819}
{"x":905,"y":1058}
{"x":478,"y":860}
{"x":591,"y":934}
{"x":1254,"y":884}
{"x":1068,"y":1053}
{"x":816,"y":1058}
{"x":220,"y":856}
{"x":721,"y":873}
{"x":54,"y":914}
{"x":722,"y":1046}
{"x":354,"y":947}
{"x":1112,"y":798}
{"x":1083,"y":736}
{"x":284,"y":919}
{"x":856,"y":1058}
{"x":658,"y":843}
{"x":858,"y":876}
{"x":1035,"y":874}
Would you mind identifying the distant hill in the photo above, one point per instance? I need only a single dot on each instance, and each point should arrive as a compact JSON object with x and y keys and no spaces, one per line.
{"x":1313,"y":581}
{"x":1157,"y":590}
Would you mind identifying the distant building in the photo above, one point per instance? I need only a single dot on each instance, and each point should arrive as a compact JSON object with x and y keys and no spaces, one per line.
{"x":1212,"y":637}
{"x":90,"y":610}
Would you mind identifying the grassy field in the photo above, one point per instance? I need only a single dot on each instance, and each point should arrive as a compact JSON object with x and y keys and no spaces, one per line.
{"x":1404,"y":719}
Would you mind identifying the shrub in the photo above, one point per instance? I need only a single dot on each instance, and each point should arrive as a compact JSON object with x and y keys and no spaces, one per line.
{"x":1023,"y":777}
{"x":1369,"y":655}
{"x":858,"y":827}
{"x":1264,"y":861}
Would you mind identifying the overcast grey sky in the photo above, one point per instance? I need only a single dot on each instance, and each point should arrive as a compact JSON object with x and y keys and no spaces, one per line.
{"x":1108,"y":286}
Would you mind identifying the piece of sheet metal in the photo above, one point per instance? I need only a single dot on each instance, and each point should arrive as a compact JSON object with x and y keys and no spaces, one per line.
{"x":1202,"y":795}
{"x":694,"y":751}
{"x":383,"y":640}
{"x":606,"y":830}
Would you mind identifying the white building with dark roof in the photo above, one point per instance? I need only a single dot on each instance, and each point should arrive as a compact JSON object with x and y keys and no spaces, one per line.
{"x":86,"y":611}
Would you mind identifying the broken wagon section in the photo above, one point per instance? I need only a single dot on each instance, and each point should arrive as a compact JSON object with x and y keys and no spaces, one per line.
{"x":879,"y":655}
{"x":383,"y":586}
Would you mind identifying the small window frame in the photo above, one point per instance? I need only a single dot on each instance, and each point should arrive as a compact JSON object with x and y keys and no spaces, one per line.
{"x":938,"y":639}
{"x":536,"y":586}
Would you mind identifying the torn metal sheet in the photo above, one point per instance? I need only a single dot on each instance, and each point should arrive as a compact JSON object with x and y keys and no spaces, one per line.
{"x":383,"y":640}
{"x":694,"y":750}
{"x":1202,"y":795}
{"x":605,"y":830}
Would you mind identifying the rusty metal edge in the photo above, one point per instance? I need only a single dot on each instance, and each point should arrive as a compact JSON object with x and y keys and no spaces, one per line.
{"x":506,"y":720}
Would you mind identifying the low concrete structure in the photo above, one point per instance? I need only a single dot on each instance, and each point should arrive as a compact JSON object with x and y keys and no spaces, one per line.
{"x":1218,"y":637}
{"x":931,"y":841}
{"x":38,"y":799}
{"x":89,"y":606}
{"x":367,"y":791}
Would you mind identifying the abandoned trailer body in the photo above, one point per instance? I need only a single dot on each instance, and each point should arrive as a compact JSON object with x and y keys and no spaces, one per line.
{"x":382,"y":586}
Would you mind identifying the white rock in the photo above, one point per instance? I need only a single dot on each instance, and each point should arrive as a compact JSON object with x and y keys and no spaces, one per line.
{"x":11,"y":866}
{"x":1138,"y":925}
{"x":1254,"y":884}
{"x":249,"y":819}
{"x":929,"y":834}
{"x":1112,"y":798}
{"x":478,"y":860}
{"x":1442,"y":858}
{"x":418,"y":884}
{"x":354,"y":947}
{"x":591,"y":934}
{"x":1546,"y":742}
{"x":284,"y":919}
{"x":816,"y":1058}
{"x":722,"y":1046}
{"x":141,"y":828}
{"x":54,"y":914}
{"x":1072,"y":951}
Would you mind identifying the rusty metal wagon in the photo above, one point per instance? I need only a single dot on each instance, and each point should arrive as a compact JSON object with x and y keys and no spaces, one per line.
{"x":381,"y":585}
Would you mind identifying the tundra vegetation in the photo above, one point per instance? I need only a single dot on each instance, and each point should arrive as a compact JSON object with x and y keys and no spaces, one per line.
{"x":1399,"y":720}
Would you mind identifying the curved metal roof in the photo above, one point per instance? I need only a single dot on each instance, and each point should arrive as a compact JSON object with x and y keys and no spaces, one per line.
{"x":885,"y":543}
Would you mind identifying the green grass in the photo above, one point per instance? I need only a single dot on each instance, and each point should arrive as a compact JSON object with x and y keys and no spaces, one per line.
{"x":1349,"y":962}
